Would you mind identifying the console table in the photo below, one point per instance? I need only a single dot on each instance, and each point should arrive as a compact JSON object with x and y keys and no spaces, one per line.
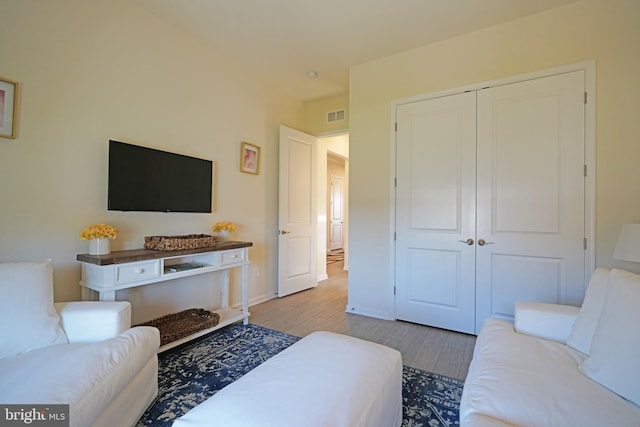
{"x":118,"y":270}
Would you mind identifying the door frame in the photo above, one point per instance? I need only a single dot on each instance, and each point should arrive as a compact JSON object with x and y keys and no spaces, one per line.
{"x":589,"y":68}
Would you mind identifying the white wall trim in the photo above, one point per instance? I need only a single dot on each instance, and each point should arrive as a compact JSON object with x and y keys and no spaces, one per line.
{"x":332,"y":133}
{"x":260,"y":299}
{"x":392,"y":204}
{"x":588,"y":66}
{"x":590,"y":160}
{"x":369,"y":313}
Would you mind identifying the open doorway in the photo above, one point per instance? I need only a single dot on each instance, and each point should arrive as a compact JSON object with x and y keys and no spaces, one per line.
{"x":335,"y":208}
{"x":302,"y":242}
{"x":334,"y":180}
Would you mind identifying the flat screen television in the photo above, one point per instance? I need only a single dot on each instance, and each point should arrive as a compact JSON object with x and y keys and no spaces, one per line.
{"x":150,"y":180}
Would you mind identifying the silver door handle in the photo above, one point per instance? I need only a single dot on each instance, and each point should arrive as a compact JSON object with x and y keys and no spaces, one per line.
{"x":469,"y":241}
{"x":483,"y":242}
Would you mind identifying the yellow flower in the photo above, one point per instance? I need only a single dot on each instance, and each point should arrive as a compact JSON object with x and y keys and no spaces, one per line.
{"x":224,"y":226}
{"x":99,"y":231}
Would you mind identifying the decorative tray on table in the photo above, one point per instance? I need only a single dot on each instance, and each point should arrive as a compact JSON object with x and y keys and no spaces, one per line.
{"x":179,"y":243}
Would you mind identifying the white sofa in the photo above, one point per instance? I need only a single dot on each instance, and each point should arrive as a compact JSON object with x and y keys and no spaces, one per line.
{"x":560,"y":365}
{"x":84,"y":354}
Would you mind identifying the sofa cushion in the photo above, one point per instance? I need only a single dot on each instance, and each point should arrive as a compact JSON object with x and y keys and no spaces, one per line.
{"x":527,"y":381}
{"x":543,"y":320}
{"x":86,"y":376}
{"x":26,"y":308}
{"x":615,"y":350}
{"x":91,"y":321}
{"x":585,"y":325}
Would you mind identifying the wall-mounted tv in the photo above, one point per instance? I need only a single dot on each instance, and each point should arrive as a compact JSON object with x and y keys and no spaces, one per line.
{"x":150,"y":180}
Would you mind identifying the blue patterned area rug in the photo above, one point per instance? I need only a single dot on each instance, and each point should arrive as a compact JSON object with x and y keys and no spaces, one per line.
{"x":193,"y":372}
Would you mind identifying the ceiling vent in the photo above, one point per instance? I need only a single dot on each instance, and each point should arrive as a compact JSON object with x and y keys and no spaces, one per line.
{"x":335,"y":116}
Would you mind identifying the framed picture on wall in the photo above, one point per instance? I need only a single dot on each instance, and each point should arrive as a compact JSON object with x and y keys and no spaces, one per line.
{"x":8,"y":108}
{"x":250,"y":158}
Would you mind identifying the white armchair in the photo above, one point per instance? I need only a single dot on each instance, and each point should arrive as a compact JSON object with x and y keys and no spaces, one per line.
{"x":84,"y":354}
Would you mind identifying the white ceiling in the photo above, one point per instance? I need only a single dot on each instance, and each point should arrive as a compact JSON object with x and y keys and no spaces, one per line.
{"x":280,"y":40}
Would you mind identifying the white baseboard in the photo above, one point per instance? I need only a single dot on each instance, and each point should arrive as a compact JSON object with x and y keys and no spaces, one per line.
{"x":370,"y":313}
{"x":261,"y":298}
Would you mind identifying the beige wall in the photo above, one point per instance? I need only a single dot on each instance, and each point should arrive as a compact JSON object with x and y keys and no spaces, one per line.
{"x":93,"y":70}
{"x":605,"y":31}
{"x":316,"y":114}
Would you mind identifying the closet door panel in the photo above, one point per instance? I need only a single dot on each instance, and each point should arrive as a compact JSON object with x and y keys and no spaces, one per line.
{"x":523,"y":278}
{"x":435,"y":212}
{"x":530,"y":200}
{"x":525,"y":165}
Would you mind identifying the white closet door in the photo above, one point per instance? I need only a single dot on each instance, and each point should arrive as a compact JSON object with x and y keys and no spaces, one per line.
{"x":531,"y":192}
{"x":435,"y":212}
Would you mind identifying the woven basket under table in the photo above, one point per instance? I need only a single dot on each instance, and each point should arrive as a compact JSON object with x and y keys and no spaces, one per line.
{"x":184,"y":323}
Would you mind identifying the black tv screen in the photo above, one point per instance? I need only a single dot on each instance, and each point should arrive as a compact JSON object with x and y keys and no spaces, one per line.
{"x":150,"y":180}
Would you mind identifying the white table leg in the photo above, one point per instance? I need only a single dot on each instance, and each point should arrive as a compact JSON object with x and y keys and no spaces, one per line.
{"x":107,"y":296}
{"x":224,"y":293}
{"x":245,"y":292}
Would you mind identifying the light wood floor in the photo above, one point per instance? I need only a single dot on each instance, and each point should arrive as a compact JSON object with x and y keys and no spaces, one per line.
{"x":323,"y":308}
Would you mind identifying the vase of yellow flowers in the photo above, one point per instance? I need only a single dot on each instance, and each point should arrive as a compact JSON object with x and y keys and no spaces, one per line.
{"x":223,"y":229}
{"x":99,"y":236}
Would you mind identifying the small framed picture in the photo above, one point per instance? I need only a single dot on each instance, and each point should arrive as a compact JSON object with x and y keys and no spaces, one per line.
{"x":8,"y":108}
{"x":250,"y":158}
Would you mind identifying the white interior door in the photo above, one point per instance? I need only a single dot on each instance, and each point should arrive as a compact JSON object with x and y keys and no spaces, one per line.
{"x":435,"y":212}
{"x":502,"y":169}
{"x":297,"y":222}
{"x":337,"y":212}
{"x":531,"y":194}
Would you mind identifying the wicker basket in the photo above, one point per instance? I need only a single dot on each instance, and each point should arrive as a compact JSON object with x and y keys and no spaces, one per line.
{"x":179,"y":243}
{"x":179,"y":325}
